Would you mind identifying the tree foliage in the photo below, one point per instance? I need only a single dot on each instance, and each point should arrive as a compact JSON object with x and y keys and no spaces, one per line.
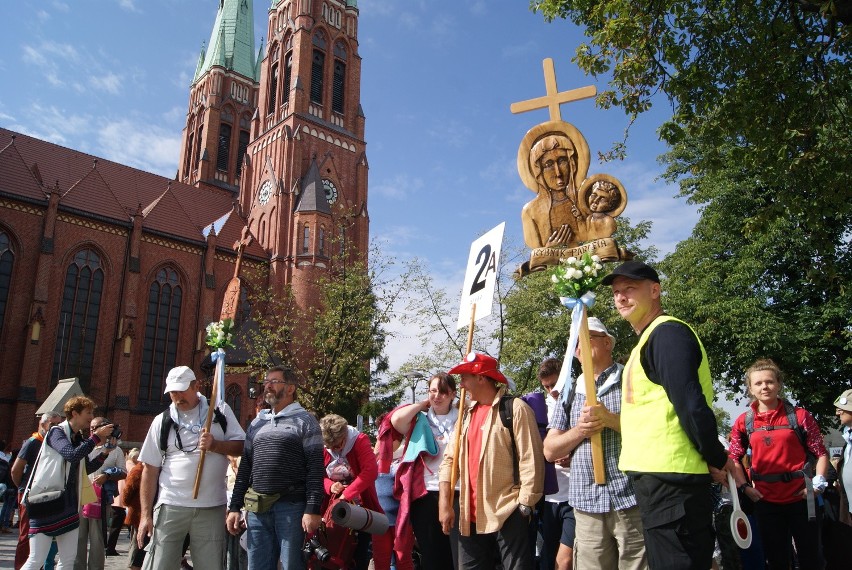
{"x":759,"y":136}
{"x":336,"y":346}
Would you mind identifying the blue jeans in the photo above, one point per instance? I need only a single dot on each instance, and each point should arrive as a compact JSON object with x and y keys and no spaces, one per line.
{"x":276,"y":534}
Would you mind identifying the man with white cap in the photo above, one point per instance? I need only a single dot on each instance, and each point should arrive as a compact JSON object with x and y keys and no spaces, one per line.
{"x":608,"y":523}
{"x":171,"y":453}
{"x":501,"y":472}
{"x":843,"y":404}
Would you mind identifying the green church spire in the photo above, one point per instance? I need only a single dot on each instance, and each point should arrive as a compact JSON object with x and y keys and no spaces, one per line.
{"x":231,"y":42}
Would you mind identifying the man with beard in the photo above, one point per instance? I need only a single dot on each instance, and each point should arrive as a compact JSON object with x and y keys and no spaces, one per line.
{"x":171,"y":453}
{"x":283,"y":463}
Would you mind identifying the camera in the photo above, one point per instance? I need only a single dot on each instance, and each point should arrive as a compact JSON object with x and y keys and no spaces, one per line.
{"x":116,"y":431}
{"x":313,"y":548}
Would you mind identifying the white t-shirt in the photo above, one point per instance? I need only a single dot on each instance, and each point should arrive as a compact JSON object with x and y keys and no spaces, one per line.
{"x":177,"y":473}
{"x":444,"y":430}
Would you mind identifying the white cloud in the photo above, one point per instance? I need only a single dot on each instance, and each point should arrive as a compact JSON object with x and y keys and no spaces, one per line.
{"x":398,"y":188}
{"x":109,"y":82}
{"x":141,"y":145}
{"x":128,"y":5}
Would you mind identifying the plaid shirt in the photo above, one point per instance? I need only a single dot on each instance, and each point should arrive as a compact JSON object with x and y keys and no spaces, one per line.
{"x":583,"y":493}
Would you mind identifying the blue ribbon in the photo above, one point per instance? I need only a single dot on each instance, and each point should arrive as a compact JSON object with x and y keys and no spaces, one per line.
{"x":218,"y":358}
{"x":576,"y":305}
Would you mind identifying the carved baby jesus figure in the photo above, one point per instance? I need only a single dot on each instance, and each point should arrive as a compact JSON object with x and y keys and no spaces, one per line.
{"x":603,"y":198}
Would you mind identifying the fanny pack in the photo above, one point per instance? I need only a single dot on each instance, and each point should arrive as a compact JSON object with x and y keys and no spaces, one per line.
{"x":259,"y":503}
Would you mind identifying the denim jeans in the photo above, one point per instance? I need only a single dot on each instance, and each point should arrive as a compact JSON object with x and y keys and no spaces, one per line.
{"x":275,"y":534}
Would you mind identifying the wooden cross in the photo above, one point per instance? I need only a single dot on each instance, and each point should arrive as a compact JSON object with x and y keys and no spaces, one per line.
{"x":553,"y":98}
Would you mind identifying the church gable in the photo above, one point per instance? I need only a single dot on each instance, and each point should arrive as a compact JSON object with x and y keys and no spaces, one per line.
{"x":168,"y":216}
{"x":15,"y":177}
{"x":93,"y":195}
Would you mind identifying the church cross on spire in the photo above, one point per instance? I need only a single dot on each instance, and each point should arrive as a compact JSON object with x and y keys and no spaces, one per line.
{"x":553,"y":98}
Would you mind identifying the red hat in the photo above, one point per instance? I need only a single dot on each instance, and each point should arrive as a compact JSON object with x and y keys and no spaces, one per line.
{"x":482,"y":364}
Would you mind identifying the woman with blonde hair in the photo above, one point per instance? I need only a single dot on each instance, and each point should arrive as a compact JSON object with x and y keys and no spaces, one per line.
{"x":65,"y":443}
{"x":785,"y":440}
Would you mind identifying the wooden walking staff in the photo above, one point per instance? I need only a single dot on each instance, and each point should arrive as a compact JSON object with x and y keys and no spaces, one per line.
{"x":480,"y":281}
{"x":230,"y":302}
{"x":591,"y":395}
{"x":462,"y":394}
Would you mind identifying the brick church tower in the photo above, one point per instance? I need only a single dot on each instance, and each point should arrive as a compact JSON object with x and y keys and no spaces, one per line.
{"x":284,"y":130}
{"x":110,"y":274}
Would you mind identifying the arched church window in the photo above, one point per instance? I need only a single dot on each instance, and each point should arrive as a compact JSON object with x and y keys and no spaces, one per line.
{"x":78,"y":319}
{"x":234,"y":398}
{"x":159,"y":349}
{"x":241,"y":150}
{"x":7,"y":259}
{"x":318,"y":67}
{"x":288,"y":76}
{"x":198,"y":143}
{"x":224,"y":147}
{"x":306,"y":238}
{"x":188,"y":150}
{"x":273,"y":89}
{"x":338,"y":87}
{"x":322,"y":240}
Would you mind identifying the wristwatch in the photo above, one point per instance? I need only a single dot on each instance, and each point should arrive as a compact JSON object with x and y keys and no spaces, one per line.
{"x":525,"y":510}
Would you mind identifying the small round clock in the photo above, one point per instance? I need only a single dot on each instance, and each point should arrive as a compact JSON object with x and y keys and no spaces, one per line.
{"x":265,"y":192}
{"x":330,"y":191}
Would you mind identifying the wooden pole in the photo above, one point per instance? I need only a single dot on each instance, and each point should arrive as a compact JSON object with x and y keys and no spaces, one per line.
{"x":230,"y":303}
{"x":462,"y":394}
{"x":591,"y":396}
{"x":207,"y":422}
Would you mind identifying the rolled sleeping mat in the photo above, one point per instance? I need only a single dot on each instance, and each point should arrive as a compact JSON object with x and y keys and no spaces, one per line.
{"x":358,"y":518}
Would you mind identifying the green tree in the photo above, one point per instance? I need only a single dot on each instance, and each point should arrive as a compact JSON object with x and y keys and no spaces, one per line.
{"x":337,"y":346}
{"x":759,"y":138}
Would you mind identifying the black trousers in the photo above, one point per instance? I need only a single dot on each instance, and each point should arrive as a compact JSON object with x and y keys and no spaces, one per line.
{"x":116,"y":523}
{"x":509,"y":546}
{"x":677,"y":514}
{"x":437,"y":550}
{"x":780,"y":526}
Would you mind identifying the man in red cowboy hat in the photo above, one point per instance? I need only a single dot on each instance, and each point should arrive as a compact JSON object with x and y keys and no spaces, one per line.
{"x":501,"y":480}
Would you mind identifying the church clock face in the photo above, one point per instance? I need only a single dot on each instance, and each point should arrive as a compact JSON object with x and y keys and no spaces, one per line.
{"x":265,"y":192}
{"x":330,"y":191}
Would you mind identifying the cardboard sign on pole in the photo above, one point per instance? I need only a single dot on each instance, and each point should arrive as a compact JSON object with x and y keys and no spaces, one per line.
{"x":480,"y":279}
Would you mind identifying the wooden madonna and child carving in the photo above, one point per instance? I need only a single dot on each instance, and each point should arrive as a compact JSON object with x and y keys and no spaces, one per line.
{"x":572,"y":216}
{"x":572,"y":213}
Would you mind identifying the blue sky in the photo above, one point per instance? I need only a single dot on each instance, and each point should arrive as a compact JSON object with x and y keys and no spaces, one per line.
{"x":111,"y":78}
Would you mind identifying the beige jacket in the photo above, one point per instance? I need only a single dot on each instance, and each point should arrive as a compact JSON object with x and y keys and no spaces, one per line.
{"x":497,"y":496}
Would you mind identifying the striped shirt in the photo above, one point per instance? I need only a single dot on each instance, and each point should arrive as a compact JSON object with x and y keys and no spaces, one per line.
{"x":283,"y":453}
{"x":583,"y":493}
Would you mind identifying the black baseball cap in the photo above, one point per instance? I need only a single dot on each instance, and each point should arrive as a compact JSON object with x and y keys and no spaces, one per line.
{"x":632,"y":270}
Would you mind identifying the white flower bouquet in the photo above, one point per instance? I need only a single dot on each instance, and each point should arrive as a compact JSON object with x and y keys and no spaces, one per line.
{"x":574,"y":277}
{"x":220,"y":334}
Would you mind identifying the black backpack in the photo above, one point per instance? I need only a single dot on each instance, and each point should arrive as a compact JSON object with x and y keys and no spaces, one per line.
{"x":507,"y":415}
{"x":169,"y":424}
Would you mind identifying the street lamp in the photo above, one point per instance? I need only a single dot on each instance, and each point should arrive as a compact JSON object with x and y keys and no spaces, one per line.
{"x":415,"y":376}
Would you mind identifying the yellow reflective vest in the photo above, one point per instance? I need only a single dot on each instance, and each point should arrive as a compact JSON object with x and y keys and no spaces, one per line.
{"x":652,"y":440}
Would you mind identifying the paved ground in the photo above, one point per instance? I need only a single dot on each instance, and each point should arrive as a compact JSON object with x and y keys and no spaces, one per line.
{"x":9,"y":541}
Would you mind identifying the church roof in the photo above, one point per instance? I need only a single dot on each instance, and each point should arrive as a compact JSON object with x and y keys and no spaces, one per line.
{"x":231,"y":42}
{"x":14,"y":173}
{"x":312,"y":196}
{"x":107,"y":190}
